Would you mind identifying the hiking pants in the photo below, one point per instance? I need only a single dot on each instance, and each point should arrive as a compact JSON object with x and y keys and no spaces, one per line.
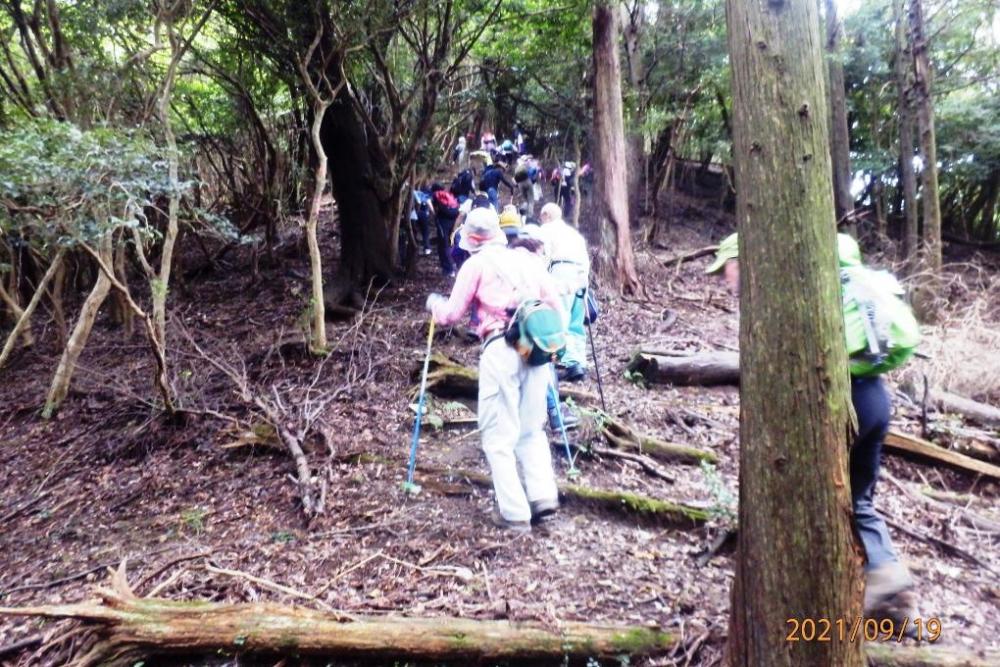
{"x":445,"y":225}
{"x":512,"y":425}
{"x":871,"y":403}
{"x":568,"y":278}
{"x":423,"y":220}
{"x":494,"y":196}
{"x":528,"y":195}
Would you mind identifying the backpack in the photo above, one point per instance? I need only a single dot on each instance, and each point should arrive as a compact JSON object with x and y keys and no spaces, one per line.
{"x":462,"y":185}
{"x":536,"y":332}
{"x":446,"y":203}
{"x":591,"y":311}
{"x":521,"y":173}
{"x":880,"y":329}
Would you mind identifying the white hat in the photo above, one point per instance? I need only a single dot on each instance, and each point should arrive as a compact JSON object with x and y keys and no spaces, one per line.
{"x":481,"y":228}
{"x":550,"y":213}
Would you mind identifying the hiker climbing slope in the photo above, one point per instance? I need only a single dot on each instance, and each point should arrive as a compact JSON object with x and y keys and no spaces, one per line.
{"x":881,"y":334}
{"x":511,"y":409}
{"x":569,"y":265}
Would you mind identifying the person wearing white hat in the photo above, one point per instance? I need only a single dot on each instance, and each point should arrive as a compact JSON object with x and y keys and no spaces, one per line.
{"x":511,"y":409}
{"x":569,"y":265}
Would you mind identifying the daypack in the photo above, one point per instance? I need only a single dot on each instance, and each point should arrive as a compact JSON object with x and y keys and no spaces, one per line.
{"x":536,"y":331}
{"x":521,"y":172}
{"x":462,"y":185}
{"x":591,"y":311}
{"x":879,"y":327}
{"x":446,"y":203}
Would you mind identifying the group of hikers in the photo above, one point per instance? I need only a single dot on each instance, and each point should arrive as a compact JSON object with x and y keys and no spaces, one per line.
{"x":524,"y":287}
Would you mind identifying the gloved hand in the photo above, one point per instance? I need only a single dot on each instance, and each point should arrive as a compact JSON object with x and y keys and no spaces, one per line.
{"x":434,"y":299}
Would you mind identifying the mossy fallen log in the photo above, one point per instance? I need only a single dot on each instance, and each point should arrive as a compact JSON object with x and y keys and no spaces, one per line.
{"x":660,"y":511}
{"x":621,"y":435}
{"x":131,"y":628}
{"x":704,"y":368}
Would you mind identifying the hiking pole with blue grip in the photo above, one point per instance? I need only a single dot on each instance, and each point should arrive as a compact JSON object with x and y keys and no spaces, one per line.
{"x":408,"y":485}
{"x":573,"y":471}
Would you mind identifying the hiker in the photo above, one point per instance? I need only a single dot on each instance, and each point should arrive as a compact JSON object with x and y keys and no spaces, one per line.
{"x":421,"y":214}
{"x":566,"y":194}
{"x":488,"y":143}
{"x":525,"y":175}
{"x":511,"y":390}
{"x":569,"y":266}
{"x":446,"y":211}
{"x":458,"y":255}
{"x":511,"y":222}
{"x":888,"y":583}
{"x":490,"y":182}
{"x":560,"y":416}
{"x":458,"y":154}
{"x":463,"y":186}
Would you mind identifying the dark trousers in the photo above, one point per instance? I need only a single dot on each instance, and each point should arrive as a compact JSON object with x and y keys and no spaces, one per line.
{"x":424,"y":223}
{"x":873,"y":407}
{"x":445,"y":226}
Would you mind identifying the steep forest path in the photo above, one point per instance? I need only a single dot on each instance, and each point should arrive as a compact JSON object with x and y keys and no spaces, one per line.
{"x":205,"y":508}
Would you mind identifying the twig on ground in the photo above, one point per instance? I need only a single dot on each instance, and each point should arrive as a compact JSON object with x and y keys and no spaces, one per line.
{"x":944,"y":545}
{"x":274,"y":586}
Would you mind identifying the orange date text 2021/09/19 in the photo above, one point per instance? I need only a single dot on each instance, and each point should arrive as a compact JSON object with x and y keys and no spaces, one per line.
{"x":862,"y":629}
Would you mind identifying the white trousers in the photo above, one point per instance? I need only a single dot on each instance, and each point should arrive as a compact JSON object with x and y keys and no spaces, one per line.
{"x":512,"y":416}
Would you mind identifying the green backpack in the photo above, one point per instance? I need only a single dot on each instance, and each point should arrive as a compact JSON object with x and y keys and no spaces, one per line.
{"x":536,"y":332}
{"x":880,"y":329}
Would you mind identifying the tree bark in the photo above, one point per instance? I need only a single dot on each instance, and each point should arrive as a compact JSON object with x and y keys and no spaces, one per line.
{"x":901,"y":69}
{"x":840,"y":141}
{"x":81,"y":332}
{"x":149,"y":626}
{"x":318,"y":342}
{"x":931,"y":245}
{"x":796,"y":559}
{"x":611,"y":189}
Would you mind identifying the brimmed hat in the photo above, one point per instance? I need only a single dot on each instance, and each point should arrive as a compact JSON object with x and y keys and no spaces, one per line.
{"x":510,"y":219}
{"x":481,"y":228}
{"x":848,"y":252}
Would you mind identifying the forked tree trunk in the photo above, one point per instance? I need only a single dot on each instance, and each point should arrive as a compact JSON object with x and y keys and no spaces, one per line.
{"x":902,"y":70}
{"x":611,"y":190}
{"x":318,"y":342}
{"x":24,"y":321}
{"x":796,"y":559}
{"x":81,"y":332}
{"x":919,"y":44}
{"x":839,"y":136}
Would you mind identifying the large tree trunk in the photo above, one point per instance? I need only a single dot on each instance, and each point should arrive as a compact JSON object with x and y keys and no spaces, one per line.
{"x":368,"y":214}
{"x":611,"y":191}
{"x":931,"y":246}
{"x":796,"y":559}
{"x":134,"y":627}
{"x":839,"y":136}
{"x":81,"y":332}
{"x":633,"y":28}
{"x":901,"y":69}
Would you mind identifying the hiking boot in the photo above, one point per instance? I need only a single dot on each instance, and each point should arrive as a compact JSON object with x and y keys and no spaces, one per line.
{"x":543,"y":510}
{"x":884,"y":583}
{"x":901,"y":609}
{"x":499,"y":521}
{"x":569,"y":420}
{"x":573,"y":373}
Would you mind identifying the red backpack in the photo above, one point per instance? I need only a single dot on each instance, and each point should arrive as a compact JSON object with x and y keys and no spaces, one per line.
{"x":445,"y":202}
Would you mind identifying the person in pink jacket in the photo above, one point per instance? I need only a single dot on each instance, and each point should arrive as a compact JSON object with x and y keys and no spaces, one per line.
{"x":512,"y":408}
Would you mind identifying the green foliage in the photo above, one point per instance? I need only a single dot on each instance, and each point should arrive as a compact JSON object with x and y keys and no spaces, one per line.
{"x":635,"y":377}
{"x":724,"y":505}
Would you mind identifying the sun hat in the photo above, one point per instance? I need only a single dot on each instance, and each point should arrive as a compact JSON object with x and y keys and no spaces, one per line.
{"x":510,"y":219}
{"x":481,"y":228}
{"x":848,"y":252}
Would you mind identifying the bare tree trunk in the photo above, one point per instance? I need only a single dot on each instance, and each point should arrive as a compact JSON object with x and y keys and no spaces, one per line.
{"x":931,"y":246}
{"x":81,"y":332}
{"x":796,"y":559}
{"x":318,"y":342}
{"x":839,"y":136}
{"x":24,"y":321}
{"x":905,"y":113}
{"x":58,"y":311}
{"x":123,"y":314}
{"x":10,"y":298}
{"x":611,"y":191}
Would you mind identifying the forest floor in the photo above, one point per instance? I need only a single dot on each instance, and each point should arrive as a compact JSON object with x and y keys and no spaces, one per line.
{"x":107,"y":479}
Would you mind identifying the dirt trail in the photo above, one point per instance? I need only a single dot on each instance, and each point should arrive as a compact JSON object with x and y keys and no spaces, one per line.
{"x":107,"y":480}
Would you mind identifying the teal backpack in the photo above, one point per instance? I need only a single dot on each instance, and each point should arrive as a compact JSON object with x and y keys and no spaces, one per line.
{"x":536,"y":331}
{"x":880,"y":329}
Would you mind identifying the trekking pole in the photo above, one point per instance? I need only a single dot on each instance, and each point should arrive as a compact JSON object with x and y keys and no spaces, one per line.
{"x":597,"y":367}
{"x":408,"y":485}
{"x":573,"y":471}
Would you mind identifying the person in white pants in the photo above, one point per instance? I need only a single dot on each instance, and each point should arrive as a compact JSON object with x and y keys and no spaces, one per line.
{"x":569,"y":265}
{"x":512,"y":409}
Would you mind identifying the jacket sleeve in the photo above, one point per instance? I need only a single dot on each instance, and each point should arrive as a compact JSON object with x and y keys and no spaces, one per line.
{"x":462,"y":294}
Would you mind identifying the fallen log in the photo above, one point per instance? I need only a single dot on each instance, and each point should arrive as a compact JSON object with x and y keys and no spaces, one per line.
{"x":703,"y":368}
{"x":621,"y":435}
{"x":449,"y":379}
{"x":891,"y":654}
{"x":663,"y":511}
{"x":947,"y":402}
{"x":907,"y":444}
{"x":133,"y":627}
{"x":687,"y":256}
